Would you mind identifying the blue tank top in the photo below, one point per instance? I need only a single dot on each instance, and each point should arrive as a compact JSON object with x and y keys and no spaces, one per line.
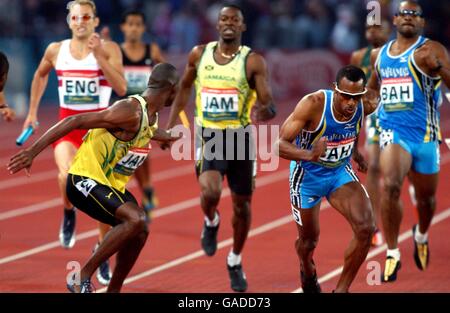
{"x":340,"y":136}
{"x":409,"y":98}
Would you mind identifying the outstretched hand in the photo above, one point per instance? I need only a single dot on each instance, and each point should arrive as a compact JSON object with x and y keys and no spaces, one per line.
{"x":265,"y":113}
{"x":165,"y":138}
{"x":21,"y":160}
{"x":7,"y":113}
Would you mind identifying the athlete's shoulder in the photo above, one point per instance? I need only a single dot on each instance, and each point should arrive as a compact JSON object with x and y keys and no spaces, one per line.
{"x":52,"y":51}
{"x":313,"y":101}
{"x":55,"y":46}
{"x":197,"y":51}
{"x":256,"y":60}
{"x":130,"y":105}
{"x":432,"y":44}
{"x":109,"y":44}
{"x":357,"y":56}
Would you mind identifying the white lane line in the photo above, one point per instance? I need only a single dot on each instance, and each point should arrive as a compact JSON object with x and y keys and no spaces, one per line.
{"x":158,"y":176}
{"x":24,"y":180}
{"x":220,"y":245}
{"x":199,"y":253}
{"x":263,"y":181}
{"x":404,"y":236}
{"x":42,"y":248}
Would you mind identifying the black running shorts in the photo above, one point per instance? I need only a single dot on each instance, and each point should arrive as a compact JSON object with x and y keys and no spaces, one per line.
{"x":231,"y":152}
{"x":96,"y":200}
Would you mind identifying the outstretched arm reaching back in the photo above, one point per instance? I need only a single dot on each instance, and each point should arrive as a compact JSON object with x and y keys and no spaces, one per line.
{"x":124,"y":115}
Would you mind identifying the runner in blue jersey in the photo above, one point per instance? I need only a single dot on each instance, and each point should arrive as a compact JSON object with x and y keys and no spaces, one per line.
{"x":409,"y":72}
{"x":319,"y":138}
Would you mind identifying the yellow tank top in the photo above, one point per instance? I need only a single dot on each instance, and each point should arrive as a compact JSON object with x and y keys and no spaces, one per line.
{"x":224,"y":98}
{"x":109,"y":160}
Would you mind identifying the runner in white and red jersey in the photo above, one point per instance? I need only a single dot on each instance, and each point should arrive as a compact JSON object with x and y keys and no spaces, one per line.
{"x":87,"y":69}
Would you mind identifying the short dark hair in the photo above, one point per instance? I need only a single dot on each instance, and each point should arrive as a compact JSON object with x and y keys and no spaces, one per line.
{"x":163,"y":75}
{"x":4,"y":64}
{"x":413,"y":2}
{"x":132,"y":12}
{"x":234,"y":6}
{"x":352,"y":73}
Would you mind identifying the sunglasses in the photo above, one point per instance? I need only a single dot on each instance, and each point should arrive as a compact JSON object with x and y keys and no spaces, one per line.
{"x":79,"y":18}
{"x":348,"y":96}
{"x":404,"y":13}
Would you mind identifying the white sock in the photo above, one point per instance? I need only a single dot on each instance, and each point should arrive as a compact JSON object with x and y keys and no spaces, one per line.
{"x":233,"y":259}
{"x":214,"y":222}
{"x":395,"y":253}
{"x":419,"y":237}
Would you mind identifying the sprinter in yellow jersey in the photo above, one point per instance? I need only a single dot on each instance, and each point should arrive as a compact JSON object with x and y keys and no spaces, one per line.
{"x":117,"y":143}
{"x":228,"y":78}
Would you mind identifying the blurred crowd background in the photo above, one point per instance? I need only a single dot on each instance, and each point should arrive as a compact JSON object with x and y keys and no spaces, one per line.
{"x":28,"y":26}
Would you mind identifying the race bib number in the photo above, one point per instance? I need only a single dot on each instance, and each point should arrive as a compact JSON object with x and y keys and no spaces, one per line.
{"x":220,"y":104}
{"x":81,"y":90}
{"x":397,"y":94}
{"x":386,"y":137}
{"x":131,"y":161}
{"x":85,"y":186}
{"x":137,"y":78}
{"x":337,"y":152}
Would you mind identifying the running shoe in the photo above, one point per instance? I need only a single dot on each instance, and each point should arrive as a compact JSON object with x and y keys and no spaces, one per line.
{"x":103,"y":272}
{"x":391,"y":268}
{"x":67,"y":230}
{"x":421,"y":252}
{"x":238,"y":280}
{"x":209,"y":239}
{"x":310,"y":284}
{"x":85,"y":287}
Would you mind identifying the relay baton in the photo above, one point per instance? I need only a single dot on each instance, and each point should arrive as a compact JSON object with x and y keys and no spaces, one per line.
{"x":26,"y":133}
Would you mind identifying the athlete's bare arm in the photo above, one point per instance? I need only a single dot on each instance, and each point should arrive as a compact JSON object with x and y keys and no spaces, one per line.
{"x":109,"y":58}
{"x":122,"y":119}
{"x":258,"y":77}
{"x":39,"y":82}
{"x":184,"y":92}
{"x":157,"y":55}
{"x":373,"y":82}
{"x":370,"y":101}
{"x":433,"y":59}
{"x":307,"y":115}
